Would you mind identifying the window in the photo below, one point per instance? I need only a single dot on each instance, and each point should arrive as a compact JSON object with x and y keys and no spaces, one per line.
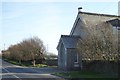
{"x":76,"y":58}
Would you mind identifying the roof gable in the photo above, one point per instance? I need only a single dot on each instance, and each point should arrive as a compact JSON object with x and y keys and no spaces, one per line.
{"x":69,"y":41}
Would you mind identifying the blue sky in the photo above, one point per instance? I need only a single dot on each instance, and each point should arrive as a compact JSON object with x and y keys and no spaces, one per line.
{"x":47,"y":20}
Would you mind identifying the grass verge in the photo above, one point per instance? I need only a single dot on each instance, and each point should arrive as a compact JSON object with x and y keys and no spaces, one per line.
{"x":40,"y":65}
{"x":86,"y":75}
{"x":24,"y":63}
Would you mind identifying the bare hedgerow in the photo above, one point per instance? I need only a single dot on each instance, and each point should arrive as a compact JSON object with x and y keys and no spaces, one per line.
{"x":100,"y":42}
{"x":31,"y":49}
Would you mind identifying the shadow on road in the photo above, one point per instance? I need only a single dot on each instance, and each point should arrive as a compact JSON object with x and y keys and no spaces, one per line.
{"x":33,"y":79}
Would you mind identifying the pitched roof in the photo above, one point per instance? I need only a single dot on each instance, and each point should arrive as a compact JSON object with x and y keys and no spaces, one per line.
{"x":69,"y":41}
{"x":90,"y":19}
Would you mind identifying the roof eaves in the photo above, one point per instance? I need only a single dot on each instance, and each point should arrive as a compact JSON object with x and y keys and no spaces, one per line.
{"x":114,"y":22}
{"x":99,"y":14}
{"x":70,"y":36}
{"x":71,"y":48}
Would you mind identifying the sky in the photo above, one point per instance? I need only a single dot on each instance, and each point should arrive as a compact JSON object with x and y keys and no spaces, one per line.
{"x":46,"y":20}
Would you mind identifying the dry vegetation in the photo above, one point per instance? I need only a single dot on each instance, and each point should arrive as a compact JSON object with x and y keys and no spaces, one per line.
{"x":29,"y":49}
{"x":100,"y":44}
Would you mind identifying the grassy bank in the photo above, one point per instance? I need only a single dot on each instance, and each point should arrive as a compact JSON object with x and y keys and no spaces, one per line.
{"x":23,"y":63}
{"x":86,"y":75}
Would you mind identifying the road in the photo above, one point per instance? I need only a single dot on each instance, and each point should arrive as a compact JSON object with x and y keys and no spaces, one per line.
{"x":13,"y":72}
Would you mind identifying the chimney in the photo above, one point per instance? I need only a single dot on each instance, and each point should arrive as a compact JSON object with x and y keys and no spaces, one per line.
{"x":79,"y":9}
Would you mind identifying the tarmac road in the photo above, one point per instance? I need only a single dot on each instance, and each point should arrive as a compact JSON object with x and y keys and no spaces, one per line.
{"x":13,"y":72}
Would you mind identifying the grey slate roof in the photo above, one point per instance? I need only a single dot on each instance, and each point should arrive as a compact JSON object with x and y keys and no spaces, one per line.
{"x":90,"y":19}
{"x":69,"y":41}
{"x":98,"y":14}
{"x":115,"y":22}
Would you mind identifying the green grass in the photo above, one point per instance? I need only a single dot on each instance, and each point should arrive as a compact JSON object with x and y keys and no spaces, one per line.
{"x":11,"y":61}
{"x":40,"y":65}
{"x":24,"y":63}
{"x":85,"y":74}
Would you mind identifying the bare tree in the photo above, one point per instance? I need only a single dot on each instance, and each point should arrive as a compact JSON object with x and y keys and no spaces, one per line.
{"x":5,"y":53}
{"x":29,"y":49}
{"x":14,"y":52}
{"x":33,"y":49}
{"x":100,"y":43}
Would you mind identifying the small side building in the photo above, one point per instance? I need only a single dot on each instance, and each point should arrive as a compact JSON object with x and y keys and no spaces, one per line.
{"x":68,"y":56}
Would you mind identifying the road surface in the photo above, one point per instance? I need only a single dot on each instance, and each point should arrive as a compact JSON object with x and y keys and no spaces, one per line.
{"x":13,"y":72}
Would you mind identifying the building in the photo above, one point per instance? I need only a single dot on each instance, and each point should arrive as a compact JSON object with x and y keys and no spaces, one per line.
{"x":68,"y":56}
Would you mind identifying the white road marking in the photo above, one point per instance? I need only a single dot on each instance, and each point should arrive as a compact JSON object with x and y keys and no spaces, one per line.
{"x":12,"y":74}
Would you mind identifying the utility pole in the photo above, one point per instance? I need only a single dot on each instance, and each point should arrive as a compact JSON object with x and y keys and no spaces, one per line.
{"x":47,"y":47}
{"x":4,"y":46}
